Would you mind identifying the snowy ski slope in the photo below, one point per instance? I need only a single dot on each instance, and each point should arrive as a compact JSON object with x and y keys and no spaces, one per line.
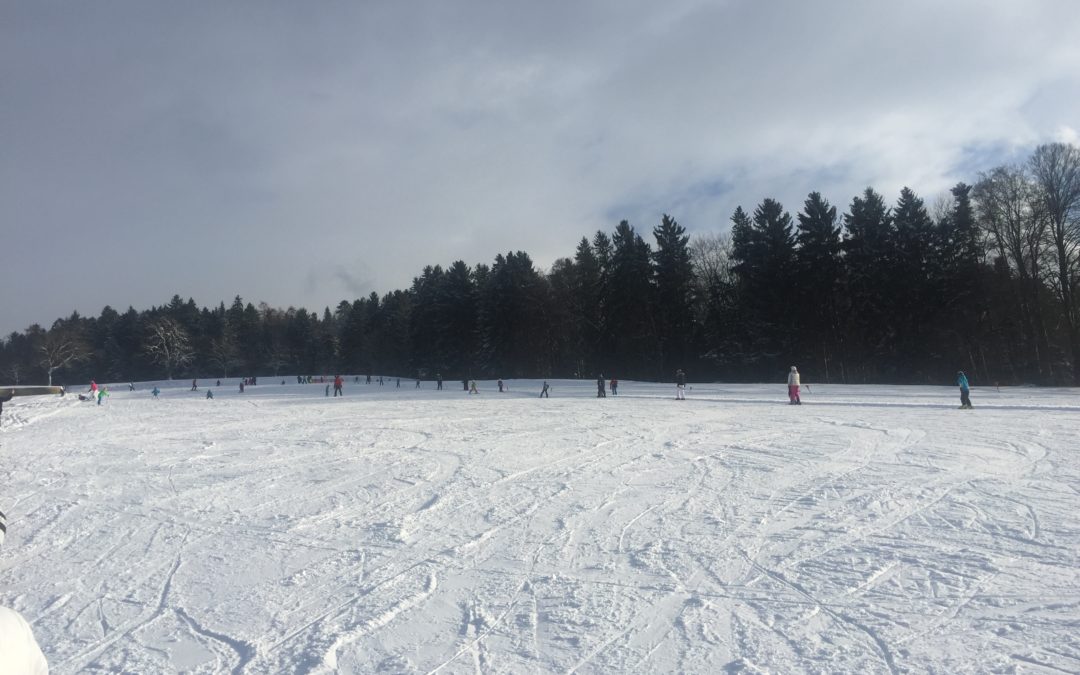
{"x":871,"y":530}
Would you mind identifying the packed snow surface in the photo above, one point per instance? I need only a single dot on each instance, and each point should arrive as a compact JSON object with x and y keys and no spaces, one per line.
{"x":870,"y":530}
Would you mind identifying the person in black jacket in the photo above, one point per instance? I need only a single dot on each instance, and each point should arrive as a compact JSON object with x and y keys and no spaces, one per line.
{"x":680,"y":385}
{"x":600,"y":388}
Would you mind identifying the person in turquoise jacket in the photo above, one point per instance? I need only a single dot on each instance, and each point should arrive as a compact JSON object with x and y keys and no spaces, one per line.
{"x":965,"y":389}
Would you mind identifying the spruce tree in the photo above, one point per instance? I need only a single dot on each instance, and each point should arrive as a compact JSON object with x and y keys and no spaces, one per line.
{"x":674,"y":287}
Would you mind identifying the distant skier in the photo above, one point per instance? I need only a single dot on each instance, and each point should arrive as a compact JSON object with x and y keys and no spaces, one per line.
{"x":327,"y":390}
{"x":465,"y":384}
{"x":472,"y":388}
{"x":131,"y":386}
{"x":438,"y":381}
{"x":368,"y":379}
{"x":102,"y":393}
{"x":210,"y":392}
{"x":194,"y":385}
{"x":965,"y":390}
{"x":544,"y":391}
{"x":241,"y":386}
{"x":219,"y":383}
{"x":155,"y":391}
{"x":614,"y":387}
{"x":339,"y":386}
{"x":600,"y":387}
{"x":417,"y":383}
{"x":500,"y":383}
{"x":680,"y":385}
{"x":93,"y":389}
{"x":793,"y":387}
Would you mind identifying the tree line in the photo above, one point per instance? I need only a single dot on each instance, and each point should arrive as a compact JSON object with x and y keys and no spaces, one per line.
{"x":985,"y":281}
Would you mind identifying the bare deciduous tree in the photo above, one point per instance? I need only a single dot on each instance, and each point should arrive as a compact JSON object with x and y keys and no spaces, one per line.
{"x":1011,"y":212}
{"x":167,"y":345}
{"x":1056,"y":171}
{"x":59,"y":347}
{"x":710,"y":256}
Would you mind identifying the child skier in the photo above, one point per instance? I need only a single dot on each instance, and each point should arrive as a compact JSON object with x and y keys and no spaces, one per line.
{"x":965,"y":390}
{"x":793,"y":387}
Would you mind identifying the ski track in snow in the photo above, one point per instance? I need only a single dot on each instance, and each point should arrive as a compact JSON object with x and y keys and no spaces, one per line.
{"x":874,"y":530}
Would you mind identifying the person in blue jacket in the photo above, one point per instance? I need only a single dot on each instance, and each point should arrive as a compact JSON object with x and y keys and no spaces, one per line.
{"x":965,"y":389}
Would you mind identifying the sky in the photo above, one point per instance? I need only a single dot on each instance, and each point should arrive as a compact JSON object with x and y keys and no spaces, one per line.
{"x":305,"y":153}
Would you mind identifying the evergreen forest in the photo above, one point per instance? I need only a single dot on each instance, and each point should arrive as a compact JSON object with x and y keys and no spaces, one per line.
{"x":882,"y":290}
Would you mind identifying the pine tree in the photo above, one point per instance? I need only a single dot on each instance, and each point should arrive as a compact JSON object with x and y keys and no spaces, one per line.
{"x":869,"y":282}
{"x":819,"y":268}
{"x":630,"y":306}
{"x":917,"y":286}
{"x":674,"y":288}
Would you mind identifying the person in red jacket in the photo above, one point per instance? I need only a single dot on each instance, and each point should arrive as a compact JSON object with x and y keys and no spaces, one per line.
{"x":338,"y":384}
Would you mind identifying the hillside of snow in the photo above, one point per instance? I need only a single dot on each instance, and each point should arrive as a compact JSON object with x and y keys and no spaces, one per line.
{"x":396,"y":530}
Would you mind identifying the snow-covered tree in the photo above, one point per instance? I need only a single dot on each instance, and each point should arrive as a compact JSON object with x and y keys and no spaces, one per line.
{"x":167,"y":344}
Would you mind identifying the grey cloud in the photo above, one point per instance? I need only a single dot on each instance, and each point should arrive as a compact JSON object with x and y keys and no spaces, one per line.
{"x":160,"y":148}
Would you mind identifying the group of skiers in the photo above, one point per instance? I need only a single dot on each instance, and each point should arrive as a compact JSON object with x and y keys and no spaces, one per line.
{"x":794,"y":386}
{"x":601,"y":392}
{"x":95,"y":393}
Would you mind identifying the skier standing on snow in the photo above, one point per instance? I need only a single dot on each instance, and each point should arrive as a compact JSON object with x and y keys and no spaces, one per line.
{"x":472,"y":388}
{"x":338,"y":386}
{"x":155,"y":391}
{"x":19,"y":651}
{"x":194,"y":385}
{"x":210,"y":392}
{"x":544,"y":391}
{"x":793,"y":387}
{"x":93,"y":389}
{"x":680,"y":385}
{"x":614,"y":387}
{"x":600,"y":392}
{"x":438,"y":381}
{"x":102,"y":393}
{"x":500,"y":386}
{"x":965,"y":389}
